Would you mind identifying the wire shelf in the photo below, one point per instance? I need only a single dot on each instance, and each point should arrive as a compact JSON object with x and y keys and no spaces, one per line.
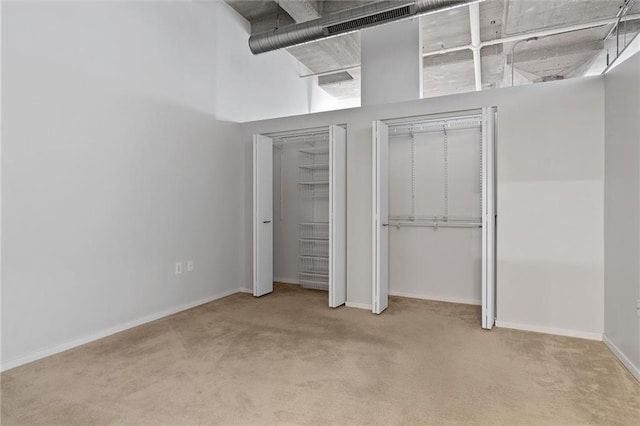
{"x":314,"y":189}
{"x":316,"y":285}
{"x":314,"y":230}
{"x":314,"y":248}
{"x":314,"y":277}
{"x":315,"y":166}
{"x":314,"y":281}
{"x":324,"y":149}
{"x":313,"y":174}
{"x":431,"y":126}
{"x":314,"y":156}
{"x":314,"y":265}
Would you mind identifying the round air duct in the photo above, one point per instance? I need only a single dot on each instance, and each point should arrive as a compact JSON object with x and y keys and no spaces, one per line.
{"x":346,"y":21}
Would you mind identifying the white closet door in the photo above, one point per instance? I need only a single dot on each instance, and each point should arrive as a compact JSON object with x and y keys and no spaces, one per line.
{"x":381,"y":217}
{"x":488,"y":219}
{"x":338,"y":216}
{"x":262,"y":215}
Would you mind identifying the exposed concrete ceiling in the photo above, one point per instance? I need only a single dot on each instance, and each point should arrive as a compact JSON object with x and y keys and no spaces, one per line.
{"x":545,"y":58}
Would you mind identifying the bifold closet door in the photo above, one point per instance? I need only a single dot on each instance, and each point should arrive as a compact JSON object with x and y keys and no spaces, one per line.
{"x":338,"y":216}
{"x":262,"y":215}
{"x":488,"y":219}
{"x":380,"y":290}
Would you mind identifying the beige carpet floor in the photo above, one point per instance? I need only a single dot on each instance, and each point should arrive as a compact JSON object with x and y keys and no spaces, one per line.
{"x":286,"y":358}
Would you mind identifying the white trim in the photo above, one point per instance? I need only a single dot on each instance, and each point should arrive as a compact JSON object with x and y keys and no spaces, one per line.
{"x":622,"y":357}
{"x":286,"y":281}
{"x":254,"y":186}
{"x":551,"y":330}
{"x":113,"y":330}
{"x":245,"y":290}
{"x":437,"y":298}
{"x":357,"y":305}
{"x":374,"y":218}
{"x":488,"y":219}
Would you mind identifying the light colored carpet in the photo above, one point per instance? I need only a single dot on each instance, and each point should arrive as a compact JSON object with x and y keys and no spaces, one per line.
{"x":287,"y":358}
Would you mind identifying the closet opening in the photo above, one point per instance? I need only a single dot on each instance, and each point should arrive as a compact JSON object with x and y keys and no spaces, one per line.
{"x":434,"y":209}
{"x":300,"y":211}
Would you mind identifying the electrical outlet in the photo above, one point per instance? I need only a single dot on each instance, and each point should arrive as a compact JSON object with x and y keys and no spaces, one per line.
{"x":178,"y":268}
{"x":190,"y":266}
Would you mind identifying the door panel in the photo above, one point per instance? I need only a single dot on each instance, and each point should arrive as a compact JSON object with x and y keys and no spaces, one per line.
{"x":338,"y":216}
{"x":488,"y":219}
{"x":262,"y":215}
{"x":381,"y":217}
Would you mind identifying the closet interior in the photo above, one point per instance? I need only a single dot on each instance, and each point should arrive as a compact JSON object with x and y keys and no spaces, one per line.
{"x":435,"y":231}
{"x":307,"y":217}
{"x":435,"y":188}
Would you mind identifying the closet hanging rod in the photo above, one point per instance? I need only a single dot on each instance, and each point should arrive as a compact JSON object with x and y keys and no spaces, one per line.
{"x":418,"y":218}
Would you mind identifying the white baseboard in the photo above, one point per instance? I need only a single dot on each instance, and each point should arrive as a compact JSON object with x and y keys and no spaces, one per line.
{"x":112,"y":330}
{"x":436,"y":298}
{"x":635,"y":370}
{"x":245,"y":290}
{"x":357,"y":305}
{"x":550,"y":330}
{"x":286,"y":280}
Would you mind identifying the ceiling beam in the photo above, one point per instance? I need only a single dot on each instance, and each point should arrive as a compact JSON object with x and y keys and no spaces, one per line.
{"x":299,"y":10}
{"x":538,"y":33}
{"x":535,"y":54}
{"x":523,"y":36}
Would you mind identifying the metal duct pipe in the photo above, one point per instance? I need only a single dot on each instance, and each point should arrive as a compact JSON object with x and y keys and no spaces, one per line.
{"x":347,"y":21}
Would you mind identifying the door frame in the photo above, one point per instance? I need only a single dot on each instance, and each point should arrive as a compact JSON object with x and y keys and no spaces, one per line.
{"x":337,"y":216}
{"x":336,"y":294}
{"x":489,"y":217}
{"x":380,"y":283}
{"x":489,"y":208}
{"x":260,"y":289}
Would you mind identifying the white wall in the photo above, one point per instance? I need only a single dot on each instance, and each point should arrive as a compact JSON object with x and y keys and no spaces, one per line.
{"x":254,"y":87}
{"x":118,"y":149}
{"x":550,"y":198}
{"x":622,"y":211}
{"x":391,"y":57}
{"x":113,"y":168}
